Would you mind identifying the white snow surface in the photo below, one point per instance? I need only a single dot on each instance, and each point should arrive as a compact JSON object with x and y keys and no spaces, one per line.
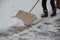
{"x":9,"y":8}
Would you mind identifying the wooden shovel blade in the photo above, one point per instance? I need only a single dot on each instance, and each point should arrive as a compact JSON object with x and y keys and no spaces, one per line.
{"x":27,"y":18}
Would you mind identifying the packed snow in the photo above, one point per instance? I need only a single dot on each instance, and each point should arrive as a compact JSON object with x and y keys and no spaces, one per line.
{"x":14,"y":28}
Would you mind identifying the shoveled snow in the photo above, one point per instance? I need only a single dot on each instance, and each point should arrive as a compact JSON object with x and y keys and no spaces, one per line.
{"x":42,"y":28}
{"x":9,"y":8}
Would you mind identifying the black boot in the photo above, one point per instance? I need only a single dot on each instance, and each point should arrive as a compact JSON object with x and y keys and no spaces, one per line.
{"x":54,"y":13}
{"x":45,"y":14}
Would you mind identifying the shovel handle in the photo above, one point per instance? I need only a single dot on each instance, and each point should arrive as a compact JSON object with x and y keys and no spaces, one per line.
{"x":33,"y":6}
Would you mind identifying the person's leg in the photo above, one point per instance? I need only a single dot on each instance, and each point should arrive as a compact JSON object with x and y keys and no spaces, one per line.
{"x":44,"y":8}
{"x":53,"y":8}
{"x":44,"y":4}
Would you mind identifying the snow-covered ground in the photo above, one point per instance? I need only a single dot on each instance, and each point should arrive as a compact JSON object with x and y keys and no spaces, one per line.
{"x":14,"y":29}
{"x":9,"y":8}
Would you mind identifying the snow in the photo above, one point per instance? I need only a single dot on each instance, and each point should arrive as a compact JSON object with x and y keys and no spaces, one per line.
{"x":9,"y":8}
{"x":14,"y":29}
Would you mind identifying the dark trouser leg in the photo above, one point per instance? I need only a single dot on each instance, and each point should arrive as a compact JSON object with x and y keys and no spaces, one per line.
{"x":52,"y":2}
{"x":44,"y":9}
{"x":53,"y":8}
{"x":44,"y":4}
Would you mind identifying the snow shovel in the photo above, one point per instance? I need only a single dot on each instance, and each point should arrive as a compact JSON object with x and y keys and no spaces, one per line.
{"x":27,"y":17}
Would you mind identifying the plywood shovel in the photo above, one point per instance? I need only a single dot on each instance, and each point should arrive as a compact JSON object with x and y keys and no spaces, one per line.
{"x":26,"y":17}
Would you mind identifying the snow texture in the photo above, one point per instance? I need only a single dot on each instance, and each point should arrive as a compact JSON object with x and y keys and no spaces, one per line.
{"x":14,"y":29}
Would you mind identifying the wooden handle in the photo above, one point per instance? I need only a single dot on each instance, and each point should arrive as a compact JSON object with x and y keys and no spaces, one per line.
{"x":33,"y":6}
